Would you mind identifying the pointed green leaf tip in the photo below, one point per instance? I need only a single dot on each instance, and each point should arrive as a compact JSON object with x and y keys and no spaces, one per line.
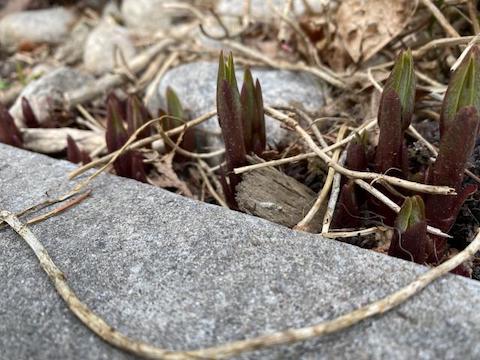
{"x":402,"y":81}
{"x":463,"y":89}
{"x":226,"y":71}
{"x":174,"y":108}
{"x":229,"y":112}
{"x":411,"y":213}
{"x":253,"y":117}
{"x":116,"y":134}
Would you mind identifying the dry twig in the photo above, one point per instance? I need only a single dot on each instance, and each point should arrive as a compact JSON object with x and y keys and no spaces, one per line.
{"x":303,"y":224}
{"x":410,"y":185}
{"x":441,"y":18}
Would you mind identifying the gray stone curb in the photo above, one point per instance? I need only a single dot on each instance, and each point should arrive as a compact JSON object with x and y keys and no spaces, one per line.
{"x":182,"y":274}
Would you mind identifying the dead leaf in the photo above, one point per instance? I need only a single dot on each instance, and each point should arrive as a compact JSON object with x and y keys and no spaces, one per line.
{"x":366,"y":26}
{"x":166,"y":177}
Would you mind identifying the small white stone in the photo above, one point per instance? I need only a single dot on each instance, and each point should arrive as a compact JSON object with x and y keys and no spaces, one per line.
{"x":36,"y":26}
{"x":151,"y":15}
{"x":100,"y":47}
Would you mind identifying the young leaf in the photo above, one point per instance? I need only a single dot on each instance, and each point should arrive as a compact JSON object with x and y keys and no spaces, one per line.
{"x":229,"y":113}
{"x":75,"y":154}
{"x":463,"y":89}
{"x":174,"y":108}
{"x":9,"y":133}
{"x":29,"y":116}
{"x":410,"y":241}
{"x":347,"y":213}
{"x":136,"y":116}
{"x":456,"y":147}
{"x":389,"y":151}
{"x":138,"y":169}
{"x":116,"y":136}
{"x":249,"y":104}
{"x":259,"y":131}
{"x":357,"y":153}
{"x":402,"y":81}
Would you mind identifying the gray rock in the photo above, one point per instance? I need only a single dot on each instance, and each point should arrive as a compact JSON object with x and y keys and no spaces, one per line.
{"x":101,"y":44}
{"x":182,"y":274}
{"x":150,"y":15}
{"x":35,"y":26}
{"x":71,"y":51}
{"x":195,"y":84}
{"x":261,"y":9}
{"x":47,"y":92}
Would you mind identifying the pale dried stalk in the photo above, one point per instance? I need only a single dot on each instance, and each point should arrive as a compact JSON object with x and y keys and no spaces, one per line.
{"x":440,"y":18}
{"x":332,"y":202}
{"x":119,"y":340}
{"x":282,"y":33}
{"x":322,"y":196}
{"x":354,"y":233}
{"x":384,"y":199}
{"x":109,"y":81}
{"x":322,"y":74}
{"x":318,"y":134}
{"x":95,"y":124}
{"x":410,"y":185}
{"x":368,"y":125}
{"x":437,"y":43}
{"x":176,"y":148}
{"x":472,"y":13}
{"x":60,"y":209}
{"x":210,"y":187}
{"x":153,"y":87}
{"x":142,"y":142}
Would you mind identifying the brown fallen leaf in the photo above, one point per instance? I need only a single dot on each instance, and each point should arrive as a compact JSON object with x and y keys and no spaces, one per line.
{"x":365,"y":27}
{"x":166,"y":177}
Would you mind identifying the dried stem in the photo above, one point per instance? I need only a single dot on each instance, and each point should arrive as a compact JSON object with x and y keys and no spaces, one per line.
{"x":210,"y":187}
{"x":282,"y":33}
{"x":441,"y":18}
{"x":332,"y":202}
{"x":322,"y":74}
{"x":410,"y":185}
{"x":176,"y":148}
{"x":354,"y":233}
{"x":438,"y":43}
{"x":472,"y":13}
{"x":368,"y":125}
{"x":108,"y":81}
{"x":322,"y":196}
{"x":384,"y":199}
{"x":119,"y":340}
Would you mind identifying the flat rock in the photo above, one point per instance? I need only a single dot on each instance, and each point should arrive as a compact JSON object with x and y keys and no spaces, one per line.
{"x":150,"y":15}
{"x":35,"y":26}
{"x":195,"y":85}
{"x":183,"y":274}
{"x":100,"y":47}
{"x":47,"y":92}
